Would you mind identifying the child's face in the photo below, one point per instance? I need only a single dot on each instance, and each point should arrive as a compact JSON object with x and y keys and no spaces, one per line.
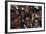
{"x":36,"y":22}
{"x":17,"y":22}
{"x":27,"y":21}
{"x":22,"y":13}
{"x":17,"y":12}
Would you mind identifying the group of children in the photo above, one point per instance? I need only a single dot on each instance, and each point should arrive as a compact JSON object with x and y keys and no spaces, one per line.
{"x":24,"y":17}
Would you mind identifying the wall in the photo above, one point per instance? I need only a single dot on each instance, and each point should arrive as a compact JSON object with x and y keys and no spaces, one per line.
{"x":2,"y":17}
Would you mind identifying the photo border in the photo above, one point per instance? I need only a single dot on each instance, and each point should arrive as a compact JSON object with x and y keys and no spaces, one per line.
{"x":6,"y":12}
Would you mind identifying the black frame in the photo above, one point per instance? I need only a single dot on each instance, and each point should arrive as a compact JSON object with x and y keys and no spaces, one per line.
{"x":21,"y":2}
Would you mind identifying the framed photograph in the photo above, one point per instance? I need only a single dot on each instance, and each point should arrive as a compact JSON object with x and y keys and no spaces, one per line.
{"x":23,"y":16}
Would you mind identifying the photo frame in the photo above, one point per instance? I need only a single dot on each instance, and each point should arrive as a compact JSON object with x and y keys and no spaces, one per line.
{"x":34,"y":8}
